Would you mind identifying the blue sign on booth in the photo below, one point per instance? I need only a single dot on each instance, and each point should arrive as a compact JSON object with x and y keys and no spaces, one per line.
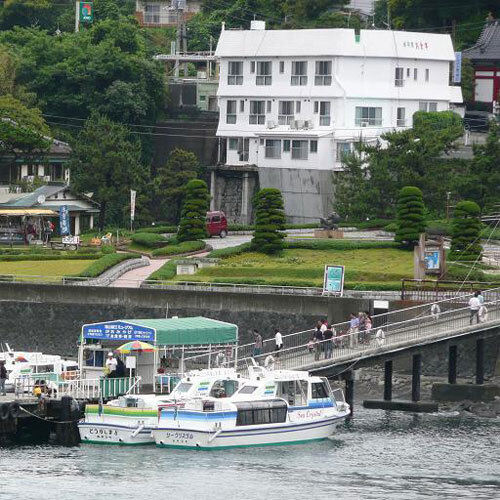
{"x":118,"y":330}
{"x":64,"y":227}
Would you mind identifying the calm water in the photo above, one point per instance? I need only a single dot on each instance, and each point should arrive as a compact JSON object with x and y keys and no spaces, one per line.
{"x":378,"y":456}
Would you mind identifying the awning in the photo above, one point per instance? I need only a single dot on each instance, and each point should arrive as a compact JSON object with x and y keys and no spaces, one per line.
{"x":18,"y":212}
{"x":165,"y":332}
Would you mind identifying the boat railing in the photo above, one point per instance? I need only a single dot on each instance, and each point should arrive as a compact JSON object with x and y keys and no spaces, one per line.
{"x":165,"y":382}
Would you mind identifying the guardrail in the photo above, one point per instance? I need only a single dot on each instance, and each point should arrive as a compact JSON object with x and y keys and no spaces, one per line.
{"x":430,"y":290}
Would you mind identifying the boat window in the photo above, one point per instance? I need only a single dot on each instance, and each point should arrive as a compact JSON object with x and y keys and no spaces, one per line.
{"x":261,"y":412}
{"x":223,"y":388}
{"x":293,"y":391}
{"x":247,"y":389}
{"x":43,"y":368}
{"x":319,"y":390}
{"x":183,"y":387}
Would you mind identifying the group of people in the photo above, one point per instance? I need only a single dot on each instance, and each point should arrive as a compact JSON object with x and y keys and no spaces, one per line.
{"x":477,"y":308}
{"x":114,"y":367}
{"x":259,"y":342}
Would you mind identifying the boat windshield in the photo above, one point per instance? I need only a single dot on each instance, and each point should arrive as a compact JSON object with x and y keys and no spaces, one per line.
{"x":182,"y":388}
{"x":247,"y":389}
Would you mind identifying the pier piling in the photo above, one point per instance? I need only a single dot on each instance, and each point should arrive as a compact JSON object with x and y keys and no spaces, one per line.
{"x":415,"y":377}
{"x":452,"y":364}
{"x":388,"y":380}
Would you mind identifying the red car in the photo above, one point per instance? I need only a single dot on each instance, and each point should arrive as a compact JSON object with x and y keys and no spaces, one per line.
{"x":217,"y":224}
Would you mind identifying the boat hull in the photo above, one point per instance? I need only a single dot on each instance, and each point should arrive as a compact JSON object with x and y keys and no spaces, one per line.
{"x":171,"y":437}
{"x":107,"y":433}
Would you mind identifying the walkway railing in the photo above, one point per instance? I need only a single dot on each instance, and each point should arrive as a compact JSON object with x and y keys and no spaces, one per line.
{"x":411,"y":324}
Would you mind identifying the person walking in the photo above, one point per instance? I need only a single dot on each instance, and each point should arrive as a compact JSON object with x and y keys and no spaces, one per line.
{"x":3,"y":378}
{"x":474,"y":306}
{"x":368,"y":327}
{"x":328,"y":341}
{"x":318,"y":338}
{"x":257,"y":348}
{"x":278,"y":340}
{"x":353,"y":329}
{"x":361,"y":326}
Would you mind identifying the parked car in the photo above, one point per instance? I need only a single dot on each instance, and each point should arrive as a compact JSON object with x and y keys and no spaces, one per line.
{"x":478,"y":121}
{"x":217,"y":224}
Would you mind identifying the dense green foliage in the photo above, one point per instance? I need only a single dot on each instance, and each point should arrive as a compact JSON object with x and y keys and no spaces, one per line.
{"x":194,"y":211}
{"x":170,"y":184}
{"x":149,"y":240}
{"x":159,"y":229}
{"x":45,"y":257}
{"x":411,"y":218}
{"x":184,"y":247}
{"x":465,"y":242}
{"x":107,"y":162}
{"x":269,"y":221}
{"x":339,"y":244}
{"x":104,"y":263}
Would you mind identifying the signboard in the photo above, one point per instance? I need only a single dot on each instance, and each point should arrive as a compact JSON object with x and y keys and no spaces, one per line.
{"x":118,"y":330}
{"x":130,"y":362}
{"x":457,"y":68}
{"x":64,"y":226}
{"x":132,"y":204}
{"x":86,"y":10}
{"x":334,"y":279}
{"x":432,"y":260}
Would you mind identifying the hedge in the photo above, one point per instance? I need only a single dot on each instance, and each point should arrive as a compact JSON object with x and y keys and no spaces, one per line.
{"x":184,"y":247}
{"x":149,"y":240}
{"x":104,"y":263}
{"x":228,"y":252}
{"x":339,"y":244}
{"x":42,"y":257}
{"x":158,"y":229}
{"x":166,"y":272}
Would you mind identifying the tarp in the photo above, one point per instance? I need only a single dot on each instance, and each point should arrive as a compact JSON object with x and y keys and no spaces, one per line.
{"x":189,"y":331}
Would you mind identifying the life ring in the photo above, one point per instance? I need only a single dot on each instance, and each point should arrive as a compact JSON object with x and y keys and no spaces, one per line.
{"x":269,"y":362}
{"x":14,"y":410}
{"x":435,"y":311}
{"x":4,"y":411}
{"x":483,"y":314}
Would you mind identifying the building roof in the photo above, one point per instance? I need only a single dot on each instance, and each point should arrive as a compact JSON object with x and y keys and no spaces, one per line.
{"x":487,"y":46}
{"x":335,"y":42}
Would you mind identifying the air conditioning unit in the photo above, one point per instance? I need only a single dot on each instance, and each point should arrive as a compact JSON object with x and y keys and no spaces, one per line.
{"x":308,"y":124}
{"x":365,"y":124}
{"x":298,"y":124}
{"x":293,"y":125}
{"x":271,"y":124}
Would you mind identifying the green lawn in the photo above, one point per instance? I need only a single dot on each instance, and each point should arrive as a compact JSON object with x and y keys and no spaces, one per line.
{"x":304,"y":267}
{"x":45,"y":268}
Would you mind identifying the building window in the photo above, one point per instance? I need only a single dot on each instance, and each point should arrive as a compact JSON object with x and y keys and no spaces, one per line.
{"x":316,"y":106}
{"x":282,"y":66}
{"x":235,"y":73}
{"x":285,"y":112}
{"x":286,"y":146}
{"x":401,"y":121}
{"x":152,"y":13}
{"x":264,"y":73}
{"x":30,"y":170}
{"x":313,"y":146}
{"x":415,"y":74}
{"x":243,"y":148}
{"x":408,"y":72}
{"x":323,"y":73}
{"x":242,"y":106}
{"x":299,"y":150}
{"x":427,"y":74}
{"x":368,"y":116}
{"x":297,"y":107}
{"x":427,"y":106}
{"x":233,"y":144}
{"x":252,"y":66}
{"x":257,"y":113}
{"x":273,"y":148}
{"x":398,"y":77}
{"x":343,"y":149}
{"x":269,"y":106}
{"x":299,"y":73}
{"x":231,"y":112}
{"x":324,"y":113}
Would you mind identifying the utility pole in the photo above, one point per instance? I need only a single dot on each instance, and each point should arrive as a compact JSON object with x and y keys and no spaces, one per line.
{"x":388,"y":16}
{"x":77,"y":16}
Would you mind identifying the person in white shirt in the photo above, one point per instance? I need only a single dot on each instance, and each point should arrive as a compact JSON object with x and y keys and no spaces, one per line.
{"x":111,"y":364}
{"x":474,"y":306}
{"x":278,"y":339}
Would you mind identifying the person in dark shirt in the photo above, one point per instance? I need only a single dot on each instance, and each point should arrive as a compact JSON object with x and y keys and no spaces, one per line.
{"x":318,"y":337}
{"x":328,"y":342}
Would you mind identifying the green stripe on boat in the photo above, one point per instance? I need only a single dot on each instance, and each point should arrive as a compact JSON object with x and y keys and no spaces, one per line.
{"x":122,"y":412}
{"x":210,"y":448}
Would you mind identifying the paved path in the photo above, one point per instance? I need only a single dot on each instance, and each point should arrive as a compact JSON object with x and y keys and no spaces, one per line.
{"x":232,"y":240}
{"x":134,"y":278}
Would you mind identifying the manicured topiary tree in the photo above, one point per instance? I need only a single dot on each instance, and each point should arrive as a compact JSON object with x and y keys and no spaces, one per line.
{"x":269,"y":221}
{"x":465,"y":242}
{"x":410,"y":219}
{"x":194,"y":211}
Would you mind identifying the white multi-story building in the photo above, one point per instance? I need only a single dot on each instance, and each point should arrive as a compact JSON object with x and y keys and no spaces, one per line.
{"x":292,"y":102}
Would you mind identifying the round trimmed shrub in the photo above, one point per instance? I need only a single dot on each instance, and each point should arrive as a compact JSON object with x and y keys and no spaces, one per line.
{"x":466,"y":229}
{"x":411,"y":218}
{"x":268,"y":236}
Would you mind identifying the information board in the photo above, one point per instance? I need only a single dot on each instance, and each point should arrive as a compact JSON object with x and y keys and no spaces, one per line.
{"x":118,"y":330}
{"x":64,"y":226}
{"x":334,"y":279}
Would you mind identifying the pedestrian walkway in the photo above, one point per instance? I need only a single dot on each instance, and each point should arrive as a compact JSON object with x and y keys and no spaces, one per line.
{"x":135,"y":277}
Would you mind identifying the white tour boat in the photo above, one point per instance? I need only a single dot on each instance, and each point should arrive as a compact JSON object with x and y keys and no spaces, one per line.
{"x":272,"y":408}
{"x":130,"y":419}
